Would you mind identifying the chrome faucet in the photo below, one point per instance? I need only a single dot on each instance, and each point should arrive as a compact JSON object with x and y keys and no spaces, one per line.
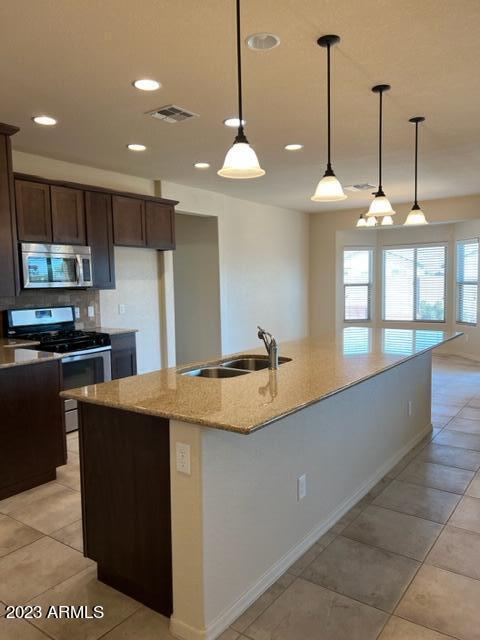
{"x":271,"y":346}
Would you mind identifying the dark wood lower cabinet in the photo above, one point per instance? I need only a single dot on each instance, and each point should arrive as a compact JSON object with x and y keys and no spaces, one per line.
{"x":124,"y":355}
{"x":125,"y":476}
{"x":32,"y":429}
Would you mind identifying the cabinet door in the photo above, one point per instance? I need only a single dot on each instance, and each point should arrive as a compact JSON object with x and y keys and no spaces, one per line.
{"x":98,"y":214}
{"x":124,"y":356}
{"x":9,"y":276}
{"x":68,"y":215}
{"x":34,"y":218}
{"x":159,"y":226}
{"x":128,"y":221}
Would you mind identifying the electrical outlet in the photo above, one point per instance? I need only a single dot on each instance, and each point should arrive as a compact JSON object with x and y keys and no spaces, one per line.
{"x":77,"y":313}
{"x":410,"y":408}
{"x":121,"y":309}
{"x":183,"y":457}
{"x":91,"y":311}
{"x":301,"y":487}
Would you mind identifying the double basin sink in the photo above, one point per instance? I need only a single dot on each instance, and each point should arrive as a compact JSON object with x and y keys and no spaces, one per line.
{"x":232,"y":367}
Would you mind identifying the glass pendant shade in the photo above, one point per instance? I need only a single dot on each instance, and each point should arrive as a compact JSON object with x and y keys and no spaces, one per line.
{"x":241,"y":163}
{"x":380,"y":206}
{"x":415,"y":217}
{"x":361,"y":222}
{"x":371,"y":221}
{"x":387,"y":221}
{"x":328,"y":189}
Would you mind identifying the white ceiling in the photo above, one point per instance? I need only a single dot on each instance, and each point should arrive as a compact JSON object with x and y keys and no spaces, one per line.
{"x":76,"y":60}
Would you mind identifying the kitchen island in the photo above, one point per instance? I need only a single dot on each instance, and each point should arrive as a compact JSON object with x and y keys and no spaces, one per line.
{"x":185,"y":513}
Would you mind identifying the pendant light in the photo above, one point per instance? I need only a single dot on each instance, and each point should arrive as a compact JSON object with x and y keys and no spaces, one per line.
{"x":387,"y":221}
{"x":241,"y":161}
{"x":371,"y":221}
{"x":361,"y":222}
{"x":416,"y":215}
{"x":329,"y":188}
{"x":380,"y":205}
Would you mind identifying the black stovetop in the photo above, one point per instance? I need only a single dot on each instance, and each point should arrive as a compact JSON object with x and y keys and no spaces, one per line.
{"x":68,"y":340}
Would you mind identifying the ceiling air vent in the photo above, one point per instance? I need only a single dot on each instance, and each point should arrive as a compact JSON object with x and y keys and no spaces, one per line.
{"x":363,"y":186}
{"x":171,"y":113}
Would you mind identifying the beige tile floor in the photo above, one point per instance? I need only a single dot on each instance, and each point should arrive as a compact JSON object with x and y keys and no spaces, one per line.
{"x":404,"y":564}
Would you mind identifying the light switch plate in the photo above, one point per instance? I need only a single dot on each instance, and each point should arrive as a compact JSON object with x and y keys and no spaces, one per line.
{"x":301,"y":487}
{"x":183,"y":457}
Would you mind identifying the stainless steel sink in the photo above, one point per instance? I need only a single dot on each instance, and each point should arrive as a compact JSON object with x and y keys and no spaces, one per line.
{"x":251,"y":363}
{"x":231,"y":368}
{"x":214,"y":372}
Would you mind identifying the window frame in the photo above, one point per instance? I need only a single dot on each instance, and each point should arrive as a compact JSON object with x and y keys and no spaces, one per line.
{"x":457,"y":243}
{"x":415,"y":246}
{"x":370,"y":284}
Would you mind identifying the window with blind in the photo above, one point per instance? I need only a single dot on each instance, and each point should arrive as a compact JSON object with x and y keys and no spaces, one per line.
{"x":414,"y":283}
{"x":357,"y":284}
{"x":467,"y":281}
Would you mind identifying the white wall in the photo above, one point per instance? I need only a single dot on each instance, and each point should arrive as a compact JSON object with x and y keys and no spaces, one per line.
{"x":137,"y":287}
{"x":263,"y":265}
{"x":196,"y":289}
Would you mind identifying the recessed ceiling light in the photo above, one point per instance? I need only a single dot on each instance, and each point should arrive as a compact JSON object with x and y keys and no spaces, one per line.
{"x":146,"y":84}
{"x":46,"y":121}
{"x":201,"y":165}
{"x":293,"y":147}
{"x":233,"y":122}
{"x":136,"y":147}
{"x":262,"y":41}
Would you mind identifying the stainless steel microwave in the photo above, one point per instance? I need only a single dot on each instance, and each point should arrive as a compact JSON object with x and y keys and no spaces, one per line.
{"x":45,"y":266}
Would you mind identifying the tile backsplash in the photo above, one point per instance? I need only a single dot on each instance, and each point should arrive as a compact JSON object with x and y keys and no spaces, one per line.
{"x":47,"y":298}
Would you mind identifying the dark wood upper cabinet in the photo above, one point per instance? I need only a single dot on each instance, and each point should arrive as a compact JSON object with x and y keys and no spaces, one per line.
{"x":159,"y":226}
{"x":68,"y":215}
{"x":34,"y":216}
{"x":9,"y":275}
{"x":128,"y":221}
{"x":98,"y":215}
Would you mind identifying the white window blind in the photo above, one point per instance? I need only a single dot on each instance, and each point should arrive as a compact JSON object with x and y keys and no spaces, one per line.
{"x":414,"y":283}
{"x":357,"y":284}
{"x":467,"y":281}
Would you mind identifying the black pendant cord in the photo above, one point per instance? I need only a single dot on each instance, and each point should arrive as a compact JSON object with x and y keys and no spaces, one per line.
{"x":416,"y":121}
{"x":380,"y":127}
{"x":329,"y":144}
{"x":380,"y":88}
{"x":240,"y":134}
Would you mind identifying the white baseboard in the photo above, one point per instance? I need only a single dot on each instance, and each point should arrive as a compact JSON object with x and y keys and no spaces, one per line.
{"x":224,"y":620}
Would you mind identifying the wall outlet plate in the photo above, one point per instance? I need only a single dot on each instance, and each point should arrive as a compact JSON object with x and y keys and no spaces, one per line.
{"x":77,"y":313}
{"x":301,"y":487}
{"x":182,"y":454}
{"x":91,"y":311}
{"x":121,"y":309}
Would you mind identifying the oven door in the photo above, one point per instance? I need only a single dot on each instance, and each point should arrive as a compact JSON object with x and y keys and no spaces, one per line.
{"x":43,"y":270}
{"x":80,"y":369}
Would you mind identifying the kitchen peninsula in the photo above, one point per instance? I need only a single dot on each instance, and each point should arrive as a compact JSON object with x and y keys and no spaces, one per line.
{"x":192,"y":518}
{"x":32,"y":433}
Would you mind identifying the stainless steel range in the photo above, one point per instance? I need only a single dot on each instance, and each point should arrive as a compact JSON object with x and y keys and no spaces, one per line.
{"x":85,"y":354}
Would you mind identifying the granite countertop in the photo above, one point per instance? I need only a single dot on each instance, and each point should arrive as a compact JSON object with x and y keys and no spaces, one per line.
{"x":114,"y":332}
{"x":12,"y":356}
{"x":10,"y":343}
{"x":320,"y":367}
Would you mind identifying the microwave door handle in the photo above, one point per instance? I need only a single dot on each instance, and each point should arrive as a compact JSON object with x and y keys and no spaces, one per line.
{"x":78,"y":270}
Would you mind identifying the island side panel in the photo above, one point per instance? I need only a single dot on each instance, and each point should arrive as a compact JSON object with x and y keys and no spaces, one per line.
{"x":251,"y":525}
{"x":125,"y":479}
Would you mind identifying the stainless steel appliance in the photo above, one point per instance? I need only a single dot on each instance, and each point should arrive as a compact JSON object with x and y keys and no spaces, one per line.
{"x":56,"y":265}
{"x":85,"y":354}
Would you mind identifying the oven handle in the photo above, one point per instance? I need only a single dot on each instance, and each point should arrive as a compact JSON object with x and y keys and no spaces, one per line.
{"x":82,"y":355}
